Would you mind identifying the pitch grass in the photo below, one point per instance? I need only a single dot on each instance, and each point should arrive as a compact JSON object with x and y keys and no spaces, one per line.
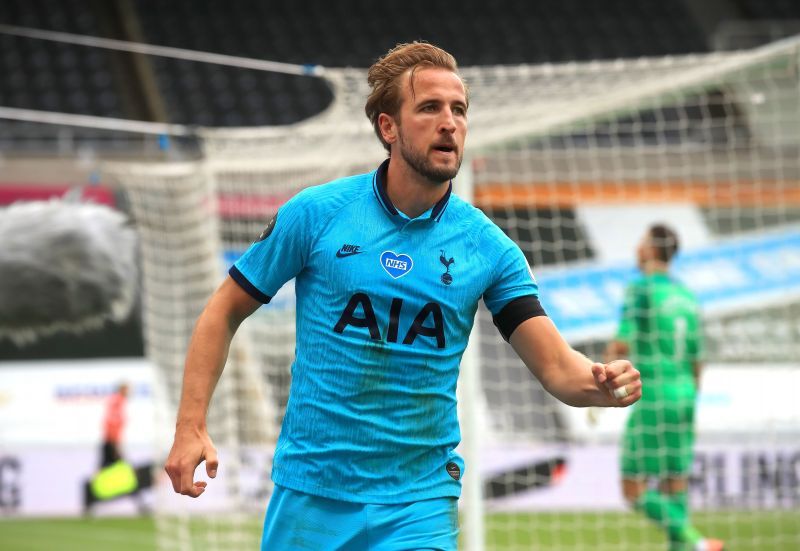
{"x":750,"y":531}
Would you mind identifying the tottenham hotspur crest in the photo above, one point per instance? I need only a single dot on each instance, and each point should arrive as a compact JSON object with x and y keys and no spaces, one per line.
{"x":447,"y":279}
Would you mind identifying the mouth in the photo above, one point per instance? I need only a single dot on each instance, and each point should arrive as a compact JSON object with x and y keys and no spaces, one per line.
{"x":445,"y":148}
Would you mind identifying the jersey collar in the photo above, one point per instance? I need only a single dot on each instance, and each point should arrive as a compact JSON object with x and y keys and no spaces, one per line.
{"x":379,"y":187}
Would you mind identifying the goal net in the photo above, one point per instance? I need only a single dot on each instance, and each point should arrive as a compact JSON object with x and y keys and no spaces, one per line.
{"x":573,"y":161}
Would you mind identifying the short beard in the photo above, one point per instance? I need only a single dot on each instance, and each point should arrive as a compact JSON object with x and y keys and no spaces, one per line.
{"x":420,"y":163}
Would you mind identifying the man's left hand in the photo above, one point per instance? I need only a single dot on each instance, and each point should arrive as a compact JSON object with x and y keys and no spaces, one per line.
{"x":619,"y":381}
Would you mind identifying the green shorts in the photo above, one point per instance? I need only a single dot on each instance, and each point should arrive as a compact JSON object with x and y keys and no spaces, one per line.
{"x":659,"y":439}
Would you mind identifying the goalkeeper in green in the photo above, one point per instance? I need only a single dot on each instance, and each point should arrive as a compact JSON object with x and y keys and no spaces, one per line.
{"x":660,"y":330}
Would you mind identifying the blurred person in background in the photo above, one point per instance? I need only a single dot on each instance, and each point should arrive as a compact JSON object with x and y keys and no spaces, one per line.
{"x":389,"y":268}
{"x":660,"y":331}
{"x":113,"y":426}
{"x":116,"y":477}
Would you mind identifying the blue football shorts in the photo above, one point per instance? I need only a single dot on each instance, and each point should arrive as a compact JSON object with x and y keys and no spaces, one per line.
{"x":296,"y":520}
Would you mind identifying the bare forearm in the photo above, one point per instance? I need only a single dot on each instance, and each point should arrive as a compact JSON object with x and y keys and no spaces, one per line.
{"x":205,"y":361}
{"x":573,"y":383}
{"x":564,"y":372}
{"x":569,"y":375}
{"x":208,"y":350}
{"x":697,"y":368}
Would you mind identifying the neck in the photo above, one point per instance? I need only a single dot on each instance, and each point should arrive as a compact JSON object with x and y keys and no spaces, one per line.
{"x":651,"y":267}
{"x":410,"y":192}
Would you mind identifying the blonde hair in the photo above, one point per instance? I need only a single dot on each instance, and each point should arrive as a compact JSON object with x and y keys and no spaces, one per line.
{"x":384,"y":77}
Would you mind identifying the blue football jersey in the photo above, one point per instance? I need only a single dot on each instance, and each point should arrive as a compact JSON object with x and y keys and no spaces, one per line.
{"x":385,"y":306}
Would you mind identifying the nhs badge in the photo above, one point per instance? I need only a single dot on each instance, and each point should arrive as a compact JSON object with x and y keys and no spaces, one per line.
{"x":396,"y":265}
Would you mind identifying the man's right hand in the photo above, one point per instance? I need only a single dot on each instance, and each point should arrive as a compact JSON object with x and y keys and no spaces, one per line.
{"x":190,"y":448}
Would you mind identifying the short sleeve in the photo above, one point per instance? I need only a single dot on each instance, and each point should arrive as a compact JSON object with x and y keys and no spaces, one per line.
{"x":511,"y":279}
{"x":279,"y":253}
{"x":512,"y":295}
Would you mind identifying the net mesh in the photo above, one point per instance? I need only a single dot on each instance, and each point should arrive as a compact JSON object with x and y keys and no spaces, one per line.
{"x":572,"y":161}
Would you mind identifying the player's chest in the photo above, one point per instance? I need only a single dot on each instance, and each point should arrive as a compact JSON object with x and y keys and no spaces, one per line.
{"x":428,"y":264}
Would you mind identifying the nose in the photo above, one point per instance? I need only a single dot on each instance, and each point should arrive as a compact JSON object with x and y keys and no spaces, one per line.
{"x":448,"y":122}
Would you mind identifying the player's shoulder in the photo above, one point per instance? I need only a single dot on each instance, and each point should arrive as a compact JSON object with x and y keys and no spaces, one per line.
{"x":333,"y":195}
{"x":640,"y":287}
{"x":471,"y":221}
{"x":665,"y":285}
{"x":673,"y":284}
{"x":683,"y":289}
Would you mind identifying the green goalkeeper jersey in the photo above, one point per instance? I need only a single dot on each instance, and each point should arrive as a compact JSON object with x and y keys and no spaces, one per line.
{"x":661,"y":324}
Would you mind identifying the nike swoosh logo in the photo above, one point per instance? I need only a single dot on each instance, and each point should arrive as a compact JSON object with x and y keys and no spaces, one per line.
{"x":340,"y":254}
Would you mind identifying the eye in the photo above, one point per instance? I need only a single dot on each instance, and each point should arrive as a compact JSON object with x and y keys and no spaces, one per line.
{"x":460,"y":110}
{"x":429,"y":107}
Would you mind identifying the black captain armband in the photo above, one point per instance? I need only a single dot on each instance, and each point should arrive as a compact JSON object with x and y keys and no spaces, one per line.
{"x":515,"y":312}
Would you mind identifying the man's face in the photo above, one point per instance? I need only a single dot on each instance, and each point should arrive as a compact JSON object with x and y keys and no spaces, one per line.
{"x":644,"y":252}
{"x":432,"y":123}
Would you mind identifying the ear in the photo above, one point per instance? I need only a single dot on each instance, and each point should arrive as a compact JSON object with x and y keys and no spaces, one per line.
{"x":388,"y":128}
